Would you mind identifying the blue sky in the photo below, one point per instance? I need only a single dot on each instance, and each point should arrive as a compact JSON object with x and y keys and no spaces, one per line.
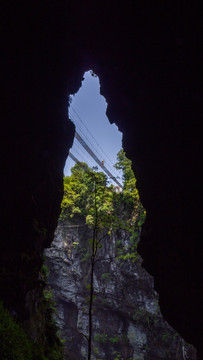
{"x":88,"y":112}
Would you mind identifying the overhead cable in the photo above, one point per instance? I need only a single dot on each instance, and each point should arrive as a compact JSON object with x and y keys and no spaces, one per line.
{"x":91,"y":134}
{"x":87,"y":148}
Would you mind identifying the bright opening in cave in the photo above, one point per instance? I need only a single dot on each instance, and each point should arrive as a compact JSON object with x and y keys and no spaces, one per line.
{"x":106,"y":306}
{"x":88,"y":112}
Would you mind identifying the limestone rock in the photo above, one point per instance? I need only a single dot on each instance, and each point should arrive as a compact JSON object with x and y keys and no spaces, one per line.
{"x":127,"y":322}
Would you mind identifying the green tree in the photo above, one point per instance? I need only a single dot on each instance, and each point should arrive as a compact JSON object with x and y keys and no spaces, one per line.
{"x":75,"y":190}
{"x":79,"y":195}
{"x":88,"y":196}
{"x":99,"y":206}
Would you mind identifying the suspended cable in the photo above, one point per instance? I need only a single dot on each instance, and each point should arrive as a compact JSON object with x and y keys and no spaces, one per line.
{"x":89,"y":141}
{"x":91,"y":134}
{"x":86,"y":147}
{"x":74,"y":158}
{"x":88,"y":160}
{"x":92,"y":154}
{"x":93,"y":147}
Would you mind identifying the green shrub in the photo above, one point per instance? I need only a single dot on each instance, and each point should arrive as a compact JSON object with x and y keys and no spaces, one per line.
{"x":114,"y":340}
{"x":106,"y":277}
{"x":14,"y":342}
{"x":101,"y":338}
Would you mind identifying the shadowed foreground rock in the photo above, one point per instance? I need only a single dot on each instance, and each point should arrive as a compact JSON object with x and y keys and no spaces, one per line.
{"x":147,"y":57}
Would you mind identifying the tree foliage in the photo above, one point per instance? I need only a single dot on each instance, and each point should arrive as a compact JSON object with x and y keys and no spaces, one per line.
{"x":130,"y":192}
{"x":79,"y":195}
{"x":114,"y":210}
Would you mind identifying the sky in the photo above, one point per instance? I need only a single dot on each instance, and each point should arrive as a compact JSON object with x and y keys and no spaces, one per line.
{"x":88,"y":112}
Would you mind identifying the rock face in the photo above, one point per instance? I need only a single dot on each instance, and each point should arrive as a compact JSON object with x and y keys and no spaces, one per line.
{"x":127,"y":322}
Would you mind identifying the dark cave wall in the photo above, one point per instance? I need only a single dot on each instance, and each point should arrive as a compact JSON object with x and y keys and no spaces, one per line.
{"x":147,"y":59}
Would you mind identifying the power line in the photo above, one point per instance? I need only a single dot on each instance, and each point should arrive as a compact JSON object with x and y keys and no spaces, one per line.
{"x":83,"y":134}
{"x":82,"y":156}
{"x":91,"y":145}
{"x":77,"y":161}
{"x":91,"y":134}
{"x":87,"y":148}
{"x":81,"y":142}
{"x":85,"y":156}
{"x":74,"y":158}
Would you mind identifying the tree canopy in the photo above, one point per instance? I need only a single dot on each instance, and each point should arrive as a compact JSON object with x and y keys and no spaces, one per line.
{"x":87,"y":187}
{"x":130,"y":192}
{"x":82,"y":189}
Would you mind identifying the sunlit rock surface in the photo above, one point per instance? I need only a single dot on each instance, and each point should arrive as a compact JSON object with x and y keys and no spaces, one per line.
{"x":127,"y":322}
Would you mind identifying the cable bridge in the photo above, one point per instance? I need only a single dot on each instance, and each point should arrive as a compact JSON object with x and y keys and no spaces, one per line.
{"x":92,"y":154}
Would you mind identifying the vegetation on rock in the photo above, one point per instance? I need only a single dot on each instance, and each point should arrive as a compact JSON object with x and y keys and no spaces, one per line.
{"x":107,"y":306}
{"x":79,"y":197}
{"x":14,"y":344}
{"x":36,"y":340}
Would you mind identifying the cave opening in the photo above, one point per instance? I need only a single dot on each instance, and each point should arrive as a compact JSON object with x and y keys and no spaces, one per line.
{"x":147,"y":58}
{"x":106,"y":303}
{"x":96,"y":141}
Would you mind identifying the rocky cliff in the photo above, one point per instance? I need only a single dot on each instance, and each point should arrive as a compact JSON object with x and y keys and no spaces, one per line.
{"x":127,"y":322}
